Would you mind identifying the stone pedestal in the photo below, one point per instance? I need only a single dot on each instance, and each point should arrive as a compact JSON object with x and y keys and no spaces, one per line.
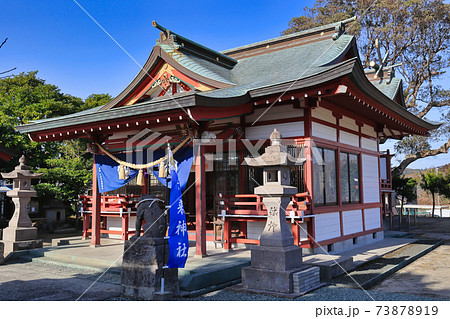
{"x":272,"y":268}
{"x":20,"y":234}
{"x":144,"y":257}
{"x":276,"y":264}
{"x":276,"y":259}
{"x":142,"y":270}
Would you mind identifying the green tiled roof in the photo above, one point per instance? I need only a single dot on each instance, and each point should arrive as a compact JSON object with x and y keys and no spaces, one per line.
{"x":389,"y":89}
{"x":197,"y":65}
{"x":291,"y":64}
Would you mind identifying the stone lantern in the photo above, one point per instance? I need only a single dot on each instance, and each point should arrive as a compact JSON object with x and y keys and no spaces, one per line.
{"x":20,"y":234}
{"x":276,"y":259}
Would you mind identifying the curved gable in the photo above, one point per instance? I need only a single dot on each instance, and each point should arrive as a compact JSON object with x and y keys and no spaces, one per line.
{"x":169,"y":71}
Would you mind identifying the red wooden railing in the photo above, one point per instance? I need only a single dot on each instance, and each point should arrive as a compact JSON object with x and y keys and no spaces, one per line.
{"x":243,"y":208}
{"x":116,"y":206}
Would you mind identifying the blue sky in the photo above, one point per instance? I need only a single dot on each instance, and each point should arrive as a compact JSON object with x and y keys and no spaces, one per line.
{"x":57,"y":38}
{"x":60,"y":40}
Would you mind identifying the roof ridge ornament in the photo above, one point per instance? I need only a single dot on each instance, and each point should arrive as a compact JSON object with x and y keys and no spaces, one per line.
{"x":165,"y":36}
{"x":191,"y":47}
{"x":382,"y":64}
{"x":339,"y":29}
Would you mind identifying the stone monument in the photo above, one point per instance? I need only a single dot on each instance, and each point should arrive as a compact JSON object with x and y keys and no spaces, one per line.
{"x":20,"y":234}
{"x":145,"y":256}
{"x":276,"y":260}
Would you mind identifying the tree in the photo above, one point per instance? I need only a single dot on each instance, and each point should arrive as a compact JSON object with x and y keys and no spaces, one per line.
{"x":434,"y":183}
{"x":68,"y":175}
{"x":25,"y":98}
{"x":66,"y":166}
{"x":405,"y":188}
{"x":416,"y":33}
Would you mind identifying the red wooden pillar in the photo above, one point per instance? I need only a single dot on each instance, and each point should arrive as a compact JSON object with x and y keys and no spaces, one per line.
{"x":86,"y":218}
{"x":200,"y":202}
{"x":227,"y":234}
{"x":125,"y":227}
{"x":295,"y":233}
{"x":96,"y":209}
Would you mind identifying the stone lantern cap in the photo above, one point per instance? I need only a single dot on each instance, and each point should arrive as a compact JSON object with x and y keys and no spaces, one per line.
{"x":22,"y":171}
{"x":274,"y":155}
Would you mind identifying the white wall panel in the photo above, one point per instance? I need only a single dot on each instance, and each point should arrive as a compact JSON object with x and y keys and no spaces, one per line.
{"x":327,"y":226}
{"x":348,"y":123}
{"x":115,"y":223}
{"x":303,"y":233}
{"x":369,"y":144}
{"x":372,"y":218}
{"x":371,"y":181}
{"x":323,"y":131}
{"x":352,"y":222}
{"x":274,"y":113}
{"x":286,"y":129}
{"x":368,"y":130}
{"x":254,"y":229}
{"x":323,"y":114}
{"x":349,"y":138}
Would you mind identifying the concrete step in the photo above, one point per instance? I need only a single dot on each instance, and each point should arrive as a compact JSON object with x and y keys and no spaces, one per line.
{"x":330,"y":266}
{"x":197,"y":280}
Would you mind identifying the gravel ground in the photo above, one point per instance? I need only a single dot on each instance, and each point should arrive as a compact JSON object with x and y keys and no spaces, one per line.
{"x":66,"y":283}
{"x":329,"y":293}
{"x":380,"y":265}
{"x":38,"y":281}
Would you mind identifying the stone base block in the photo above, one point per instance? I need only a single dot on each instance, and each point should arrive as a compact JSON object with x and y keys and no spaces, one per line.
{"x":10,"y":246}
{"x":19,"y":234}
{"x":163,"y":296}
{"x":276,"y":258}
{"x":306,"y":280}
{"x":269,"y":280}
{"x":142,"y":270}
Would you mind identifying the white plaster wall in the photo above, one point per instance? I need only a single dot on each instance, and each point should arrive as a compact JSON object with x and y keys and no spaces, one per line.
{"x":372,"y":218}
{"x":369,"y":144}
{"x":119,"y":135}
{"x":368,"y":130}
{"x":371,"y":181}
{"x":348,"y":123}
{"x":115,"y":223}
{"x":327,"y":226}
{"x":349,"y":138}
{"x":352,"y":221}
{"x":323,"y":131}
{"x":323,"y":114}
{"x":286,"y":129}
{"x":274,"y":113}
{"x":254,"y":229}
{"x":303,"y":231}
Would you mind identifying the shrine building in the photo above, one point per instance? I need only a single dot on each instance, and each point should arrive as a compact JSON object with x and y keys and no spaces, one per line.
{"x":6,"y":153}
{"x":216,"y":108}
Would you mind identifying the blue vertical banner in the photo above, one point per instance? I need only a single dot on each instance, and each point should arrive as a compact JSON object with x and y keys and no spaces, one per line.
{"x":178,"y":235}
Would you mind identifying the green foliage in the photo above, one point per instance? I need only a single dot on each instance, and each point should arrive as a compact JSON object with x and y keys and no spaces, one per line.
{"x":66,"y":165}
{"x":67,"y":175}
{"x":95,"y":100}
{"x":434,"y":183}
{"x":25,"y":98}
{"x":412,"y":145}
{"x":404,"y":187}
